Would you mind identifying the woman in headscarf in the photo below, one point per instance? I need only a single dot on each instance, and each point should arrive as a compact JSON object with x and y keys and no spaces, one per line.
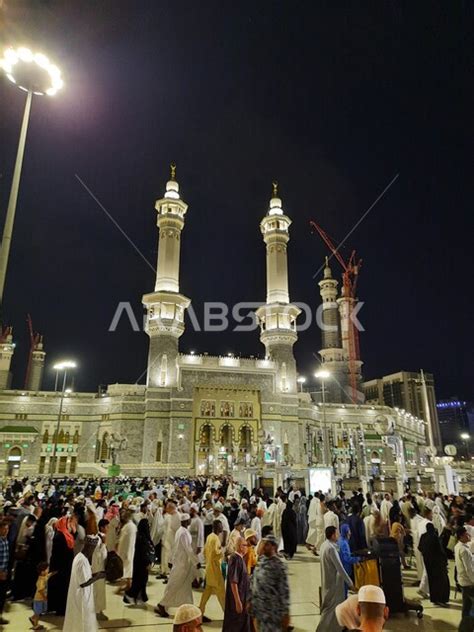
{"x":436,"y":564}
{"x":62,"y":556}
{"x":142,"y":560}
{"x":348,"y":560}
{"x":289,"y":530}
{"x":397,"y":532}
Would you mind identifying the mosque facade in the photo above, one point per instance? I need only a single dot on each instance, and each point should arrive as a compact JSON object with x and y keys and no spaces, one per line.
{"x":201,"y":414}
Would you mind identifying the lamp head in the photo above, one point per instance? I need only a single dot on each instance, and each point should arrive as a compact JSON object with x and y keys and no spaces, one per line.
{"x":31,"y":71}
{"x":322,"y":374}
{"x":66,"y":364}
{"x":464,"y":436}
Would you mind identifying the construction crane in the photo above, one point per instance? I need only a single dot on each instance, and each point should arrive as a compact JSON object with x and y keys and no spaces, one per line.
{"x":349,"y":332}
{"x":34,"y":340}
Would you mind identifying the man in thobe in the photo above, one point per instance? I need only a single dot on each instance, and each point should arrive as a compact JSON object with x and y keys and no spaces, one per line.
{"x":196,"y":529}
{"x":172,"y":523}
{"x":236,"y":617}
{"x":415,"y":521}
{"x":184,"y":564}
{"x":99,"y":558}
{"x":421,"y":530}
{"x":333,"y":578}
{"x":330,"y":517}
{"x":80,"y":607}
{"x":214,"y":555}
{"x":385,"y":507}
{"x":126,"y":546}
{"x":313,"y":511}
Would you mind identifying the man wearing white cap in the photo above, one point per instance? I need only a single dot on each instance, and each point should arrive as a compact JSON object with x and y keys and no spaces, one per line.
{"x":184,"y":563}
{"x":372,"y":609}
{"x":187,"y":619}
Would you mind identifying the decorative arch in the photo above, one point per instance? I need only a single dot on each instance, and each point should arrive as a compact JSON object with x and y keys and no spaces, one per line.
{"x":46,"y":436}
{"x":226,"y":435}
{"x":15,"y":451}
{"x":246,"y":436}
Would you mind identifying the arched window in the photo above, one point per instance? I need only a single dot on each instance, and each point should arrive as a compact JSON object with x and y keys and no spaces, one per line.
{"x":104,"y":450}
{"x":61,"y":436}
{"x":46,"y":436}
{"x":14,"y":452}
{"x":67,"y":437}
{"x":245,"y":437}
{"x":97,"y":450}
{"x":226,"y":436}
{"x":205,"y":436}
{"x":75,"y":439}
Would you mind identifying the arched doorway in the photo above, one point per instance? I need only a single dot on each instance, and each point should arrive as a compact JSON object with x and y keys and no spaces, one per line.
{"x":14,"y":461}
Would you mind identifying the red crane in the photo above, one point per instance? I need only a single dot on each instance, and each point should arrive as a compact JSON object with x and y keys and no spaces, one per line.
{"x":34,"y":340}
{"x":349,"y":331}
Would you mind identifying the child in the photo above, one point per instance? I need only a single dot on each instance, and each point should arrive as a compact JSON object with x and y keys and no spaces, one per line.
{"x":40,"y":601}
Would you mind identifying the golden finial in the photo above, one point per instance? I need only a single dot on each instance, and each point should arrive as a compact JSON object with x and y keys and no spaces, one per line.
{"x":275,"y":189}
{"x":173,"y":171}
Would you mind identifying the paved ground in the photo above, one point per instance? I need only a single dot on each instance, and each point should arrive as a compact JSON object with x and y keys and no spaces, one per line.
{"x":304,"y":584}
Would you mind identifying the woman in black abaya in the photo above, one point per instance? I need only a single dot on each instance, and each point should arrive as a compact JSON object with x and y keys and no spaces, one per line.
{"x":289,"y":530}
{"x":436,"y":564}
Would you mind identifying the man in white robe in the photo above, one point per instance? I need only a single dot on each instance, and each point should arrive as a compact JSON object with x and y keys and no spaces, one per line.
{"x":415,"y":521}
{"x":330,"y":518}
{"x":80,"y":607}
{"x":421,"y":530}
{"x":98,"y":565}
{"x":314,"y":508}
{"x":385,"y":507}
{"x":184,"y":564}
{"x":126,"y":545}
{"x":170,"y":528}
{"x":333,"y":578}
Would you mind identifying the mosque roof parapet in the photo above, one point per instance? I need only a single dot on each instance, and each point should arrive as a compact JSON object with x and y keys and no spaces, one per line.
{"x":226,"y":361}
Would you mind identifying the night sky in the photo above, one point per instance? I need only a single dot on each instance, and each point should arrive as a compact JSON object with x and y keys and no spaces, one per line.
{"x":333,"y":100}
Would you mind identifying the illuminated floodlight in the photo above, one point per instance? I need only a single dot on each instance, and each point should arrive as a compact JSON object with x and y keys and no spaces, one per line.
{"x":66,"y":364}
{"x":322,"y":374}
{"x":31,"y":72}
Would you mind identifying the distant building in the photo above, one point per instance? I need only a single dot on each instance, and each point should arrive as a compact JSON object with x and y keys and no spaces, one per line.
{"x":454,"y":417}
{"x":403,"y":390}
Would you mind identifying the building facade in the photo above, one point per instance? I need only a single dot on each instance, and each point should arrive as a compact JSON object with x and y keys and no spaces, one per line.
{"x":409,"y":391}
{"x":201,"y":414}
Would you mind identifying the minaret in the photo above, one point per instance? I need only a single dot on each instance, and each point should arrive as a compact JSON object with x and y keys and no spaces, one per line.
{"x":332,"y":353}
{"x":278,"y":316}
{"x":165,"y":306}
{"x":35,"y":371}
{"x":7,"y":348}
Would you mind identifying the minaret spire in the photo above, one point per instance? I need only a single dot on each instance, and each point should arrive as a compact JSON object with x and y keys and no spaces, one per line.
{"x":278,"y":316}
{"x":165,"y":306}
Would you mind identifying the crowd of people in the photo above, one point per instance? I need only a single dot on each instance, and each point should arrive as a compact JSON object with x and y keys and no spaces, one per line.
{"x":59,"y":538}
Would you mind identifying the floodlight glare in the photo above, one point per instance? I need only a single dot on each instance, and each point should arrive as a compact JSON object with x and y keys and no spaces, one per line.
{"x":67,"y":364}
{"x":322,"y":374}
{"x":32,"y":72}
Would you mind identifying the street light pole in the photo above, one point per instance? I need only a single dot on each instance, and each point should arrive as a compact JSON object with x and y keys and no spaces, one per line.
{"x":10,"y":217}
{"x":62,"y":366}
{"x":34,"y":74}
